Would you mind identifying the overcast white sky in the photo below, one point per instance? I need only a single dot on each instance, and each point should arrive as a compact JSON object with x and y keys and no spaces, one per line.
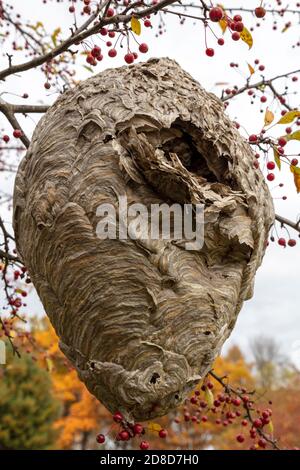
{"x":274,"y":310}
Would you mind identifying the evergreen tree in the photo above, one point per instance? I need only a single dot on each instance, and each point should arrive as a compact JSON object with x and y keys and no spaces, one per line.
{"x":27,"y":406}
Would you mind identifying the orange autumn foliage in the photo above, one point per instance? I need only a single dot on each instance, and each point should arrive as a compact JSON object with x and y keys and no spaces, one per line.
{"x":82,"y":413}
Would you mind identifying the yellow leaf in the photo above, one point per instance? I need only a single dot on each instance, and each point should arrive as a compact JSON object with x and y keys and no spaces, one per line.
{"x":49,"y":363}
{"x":296,"y":171}
{"x":277,"y":158}
{"x":154,"y":427}
{"x":135,"y":25}
{"x":54,"y":36}
{"x":270,"y":428}
{"x":251,"y":69}
{"x":286,"y":27}
{"x":294,"y":136}
{"x":289,"y":117}
{"x":297,"y":182}
{"x":223,"y":24}
{"x":246,"y":36}
{"x":269,"y":117}
{"x":37,"y":26}
{"x":209,"y":397}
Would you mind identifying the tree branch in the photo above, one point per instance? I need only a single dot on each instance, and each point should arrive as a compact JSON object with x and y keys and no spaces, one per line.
{"x":8,"y":112}
{"x":263,"y":82}
{"x":247,"y":407}
{"x":290,"y":223}
{"x":81,"y":35}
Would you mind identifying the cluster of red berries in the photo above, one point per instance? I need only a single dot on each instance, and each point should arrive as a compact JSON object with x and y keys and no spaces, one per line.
{"x":235,"y":24}
{"x":129,"y":431}
{"x":232,"y":409}
{"x":17,"y":133}
{"x":282,"y":242}
{"x":95,"y":55}
{"x":87,"y":10}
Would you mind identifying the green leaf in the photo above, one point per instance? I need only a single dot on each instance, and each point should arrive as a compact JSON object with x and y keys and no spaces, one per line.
{"x":55,"y":35}
{"x":89,"y":69}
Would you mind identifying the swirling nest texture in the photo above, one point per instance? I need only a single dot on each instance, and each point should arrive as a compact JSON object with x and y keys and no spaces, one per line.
{"x":141,"y":320}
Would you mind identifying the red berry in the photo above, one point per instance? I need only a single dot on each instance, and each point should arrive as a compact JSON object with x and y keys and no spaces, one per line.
{"x":244,"y":422}
{"x":236,"y":401}
{"x":163,"y":433}
{"x":112,"y":52}
{"x":237,"y":18}
{"x":292,"y":242}
{"x":239,"y":26}
{"x":263,"y":99}
{"x":96,"y":51}
{"x":288,"y":130}
{"x":280,"y":150}
{"x":143,"y":48}
{"x":118,"y":417}
{"x":270,"y":177}
{"x":47,"y":85}
{"x":235,"y":36}
{"x":147,"y":23}
{"x":210,"y":52}
{"x":270,"y":165}
{"x":216,"y":14}
{"x":204,"y":419}
{"x":221,"y":41}
{"x":253,"y":138}
{"x":282,"y":141}
{"x":17,"y":133}
{"x":144,"y":445}
{"x":129,"y":58}
{"x":103,"y":31}
{"x":100,"y":438}
{"x":87,"y":9}
{"x":138,"y":428}
{"x":260,"y":12}
{"x":72,"y":9}
{"x":262,"y":443}
{"x":124,"y":436}
{"x":6,"y":138}
{"x":110,"y":12}
{"x":261,"y":68}
{"x":281,"y":241}
{"x":294,"y":162}
{"x":91,"y":60}
{"x":240,"y":438}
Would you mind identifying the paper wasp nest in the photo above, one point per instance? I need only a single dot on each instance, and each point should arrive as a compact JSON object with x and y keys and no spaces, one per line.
{"x":141,"y":320}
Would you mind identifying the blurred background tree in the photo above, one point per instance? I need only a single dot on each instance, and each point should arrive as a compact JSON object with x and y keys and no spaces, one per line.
{"x":27,"y":407}
{"x":44,"y":405}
